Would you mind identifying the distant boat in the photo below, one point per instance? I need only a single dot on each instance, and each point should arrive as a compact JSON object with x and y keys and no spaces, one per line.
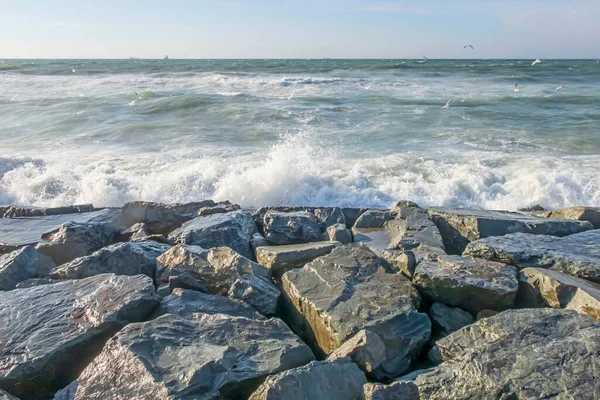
{"x":166,"y":58}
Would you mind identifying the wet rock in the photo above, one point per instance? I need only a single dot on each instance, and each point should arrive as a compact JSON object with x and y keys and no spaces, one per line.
{"x":339,"y":233}
{"x":469,"y":283}
{"x":207,"y":357}
{"x":291,"y":228}
{"x":577,"y":255}
{"x":62,"y":326}
{"x":257,"y":291}
{"x":591,"y":214}
{"x":336,"y":295}
{"x":366,"y":349}
{"x":280,"y":259}
{"x":547,"y":288}
{"x":448,"y":319}
{"x":319,"y":380}
{"x":393,"y":391}
{"x":135,"y":231}
{"x":232,"y":229}
{"x":23,"y":264}
{"x":459,"y":226}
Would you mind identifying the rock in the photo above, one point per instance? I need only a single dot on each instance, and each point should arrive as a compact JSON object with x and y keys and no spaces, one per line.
{"x":446,"y":319}
{"x":232,"y":229}
{"x":280,"y":259}
{"x":366,"y":349}
{"x":459,"y":227}
{"x":402,"y":205}
{"x":591,"y":214}
{"x":468,"y":283}
{"x":135,"y":231}
{"x":37,"y":282}
{"x":28,"y":211}
{"x":62,"y":326}
{"x":224,"y":258}
{"x":547,"y":288}
{"x":336,"y":295}
{"x":413,"y":229}
{"x":257,"y":291}
{"x":291,"y":228}
{"x":518,"y":354}
{"x":6,"y":396}
{"x":187,"y":303}
{"x":485,"y":314}
{"x":208,"y":357}
{"x":351,"y":215}
{"x":184,"y":267}
{"x":219,"y":208}
{"x":319,"y":380}
{"x":339,"y":233}
{"x":23,"y":264}
{"x":577,"y":255}
{"x":257,"y":240}
{"x":126,"y":258}
{"x":327,"y":216}
{"x":533,"y":208}
{"x":393,"y":391}
{"x":405,"y":261}
{"x":372,"y":219}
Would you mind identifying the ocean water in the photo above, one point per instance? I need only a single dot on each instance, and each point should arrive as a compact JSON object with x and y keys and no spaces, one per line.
{"x":300,"y":132}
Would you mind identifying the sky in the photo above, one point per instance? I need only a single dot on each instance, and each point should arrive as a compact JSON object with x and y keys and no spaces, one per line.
{"x":299,"y":29}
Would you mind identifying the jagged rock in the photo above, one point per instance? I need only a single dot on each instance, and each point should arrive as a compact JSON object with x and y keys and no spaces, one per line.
{"x":393,"y":391}
{"x":257,"y":291}
{"x":366,"y":349}
{"x":405,"y":261}
{"x":219,"y":208}
{"x":335,"y":296}
{"x":62,"y":326}
{"x":327,"y":216}
{"x":319,"y":380}
{"x":547,"y":288}
{"x":280,"y":259}
{"x":577,"y":255}
{"x":187,"y":303}
{"x":135,"y":231}
{"x":223,"y":258}
{"x":446,"y":319}
{"x":466,"y":282}
{"x":339,"y":233}
{"x":534,"y":208}
{"x":517,"y":354}
{"x":591,"y":214}
{"x":257,"y":240}
{"x":208,"y":357}
{"x":28,"y":211}
{"x":372,"y":219}
{"x":37,"y":282}
{"x":413,"y":229}
{"x":140,"y":237}
{"x":402,"y":205}
{"x":23,"y":264}
{"x":6,"y":396}
{"x":459,"y":227}
{"x":352,"y":214}
{"x":291,"y":228}
{"x":232,"y":229}
{"x":127,"y":258}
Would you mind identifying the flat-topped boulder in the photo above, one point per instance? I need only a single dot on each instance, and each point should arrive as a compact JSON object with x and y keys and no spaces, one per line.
{"x":291,"y":227}
{"x":258,"y":291}
{"x":208,"y":357}
{"x":466,"y":282}
{"x":280,"y":259}
{"x":546,"y":288}
{"x":413,"y":228}
{"x":591,"y":214}
{"x":333,"y":297}
{"x":327,"y":216}
{"x":577,"y":255}
{"x":23,"y":264}
{"x":49,"y":333}
{"x":458,"y":227}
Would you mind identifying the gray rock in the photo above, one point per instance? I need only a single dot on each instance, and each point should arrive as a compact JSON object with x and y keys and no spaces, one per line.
{"x":446,"y":319}
{"x":335,"y":296}
{"x":37,"y":282}
{"x":577,"y":255}
{"x":352,"y":214}
{"x":393,"y":391}
{"x":257,"y":291}
{"x":402,"y":206}
{"x":339,"y":233}
{"x":280,"y":259}
{"x":209,"y":357}
{"x":405,"y":261}
{"x":6,"y":396}
{"x":547,"y":288}
{"x":29,"y":211}
{"x":532,"y":209}
{"x":232,"y":229}
{"x":291,"y":228}
{"x":412,"y":229}
{"x":485,"y":314}
{"x":184,"y":267}
{"x":219,"y":208}
{"x":62,"y":326}
{"x":469,"y":283}
{"x":224,"y":258}
{"x":23,"y":264}
{"x":135,"y":231}
{"x":327,"y":216}
{"x":591,"y":214}
{"x":319,"y":380}
{"x":257,"y":240}
{"x":372,"y":219}
{"x":459,"y":227}
{"x":366,"y":349}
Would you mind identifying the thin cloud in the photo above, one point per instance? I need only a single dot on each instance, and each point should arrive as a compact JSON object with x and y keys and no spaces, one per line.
{"x":390,"y":7}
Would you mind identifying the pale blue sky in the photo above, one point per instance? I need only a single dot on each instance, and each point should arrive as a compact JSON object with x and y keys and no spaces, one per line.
{"x":299,"y":29}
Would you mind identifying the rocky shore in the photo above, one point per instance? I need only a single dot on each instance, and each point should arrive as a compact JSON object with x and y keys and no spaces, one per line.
{"x":210,"y":301}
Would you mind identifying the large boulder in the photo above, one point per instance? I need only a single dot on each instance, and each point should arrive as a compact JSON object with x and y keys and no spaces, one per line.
{"x":546,"y":288}
{"x":291,"y":227}
{"x":280,"y":259}
{"x":393,"y":391}
{"x":337,"y":295}
{"x":466,"y":282}
{"x":577,"y":255}
{"x":339,"y":233}
{"x":372,"y":219}
{"x":258,"y":291}
{"x":448,"y":319}
{"x":591,"y":214}
{"x":23,"y":264}
{"x":366,"y":349}
{"x":184,"y":267}
{"x":29,"y":211}
{"x":319,"y":380}
{"x":413,"y":229}
{"x":459,"y":227}
{"x":49,"y":333}
{"x":327,"y":216}
{"x":207,"y":357}
{"x":233,"y":229}
{"x":517,"y":354}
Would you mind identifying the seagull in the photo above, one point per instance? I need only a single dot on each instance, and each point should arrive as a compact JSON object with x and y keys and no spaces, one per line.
{"x":426,"y":59}
{"x":558,"y":89}
{"x":516,"y":87}
{"x":471,"y":46}
{"x":448,"y":104}
{"x":537,"y":61}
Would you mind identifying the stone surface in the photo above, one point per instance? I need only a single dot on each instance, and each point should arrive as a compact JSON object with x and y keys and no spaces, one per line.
{"x":257,"y":240}
{"x":291,"y":227}
{"x":577,"y":255}
{"x":37,"y":282}
{"x":547,"y":288}
{"x":446,"y":320}
{"x":23,"y":264}
{"x":326,"y":216}
{"x":335,"y":296}
{"x":351,"y":214}
{"x":393,"y":391}
{"x":232,"y":229}
{"x":365,"y":349}
{"x":339,"y":233}
{"x":372,"y":219}
{"x":591,"y":214}
{"x":135,"y":231}
{"x":517,"y":354}
{"x":208,"y":357}
{"x":49,"y":333}
{"x":485,"y":314}
{"x":466,"y":282}
{"x":405,"y":261}
{"x":218,"y":208}
{"x":29,"y":211}
{"x":6,"y":396}
{"x":412,"y":229}
{"x":280,"y":259}
{"x":319,"y":380}
{"x":257,"y":291}
{"x":460,"y":226}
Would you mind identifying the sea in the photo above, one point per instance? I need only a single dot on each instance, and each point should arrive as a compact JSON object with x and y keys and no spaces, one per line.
{"x":324,"y":132}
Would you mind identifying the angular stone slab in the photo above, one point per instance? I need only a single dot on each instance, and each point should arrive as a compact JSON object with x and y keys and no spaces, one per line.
{"x":282,"y":228}
{"x":591,"y":214}
{"x":209,"y":357}
{"x":29,"y":211}
{"x":467,"y":282}
{"x":327,"y":216}
{"x":23,"y":264}
{"x":337,"y":295}
{"x":448,"y":319}
{"x":257,"y":291}
{"x":458,"y":227}
{"x":49,"y":333}
{"x":280,"y":259}
{"x":393,"y":391}
{"x":577,"y":255}
{"x":365,"y":349}
{"x":412,"y":229}
{"x":339,"y":233}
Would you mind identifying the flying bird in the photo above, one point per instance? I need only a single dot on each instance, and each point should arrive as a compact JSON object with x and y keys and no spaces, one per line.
{"x":448,"y":104}
{"x":426,"y":59}
{"x":537,"y":61}
{"x":558,"y":89}
{"x":468,"y":46}
{"x":516,"y":87}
